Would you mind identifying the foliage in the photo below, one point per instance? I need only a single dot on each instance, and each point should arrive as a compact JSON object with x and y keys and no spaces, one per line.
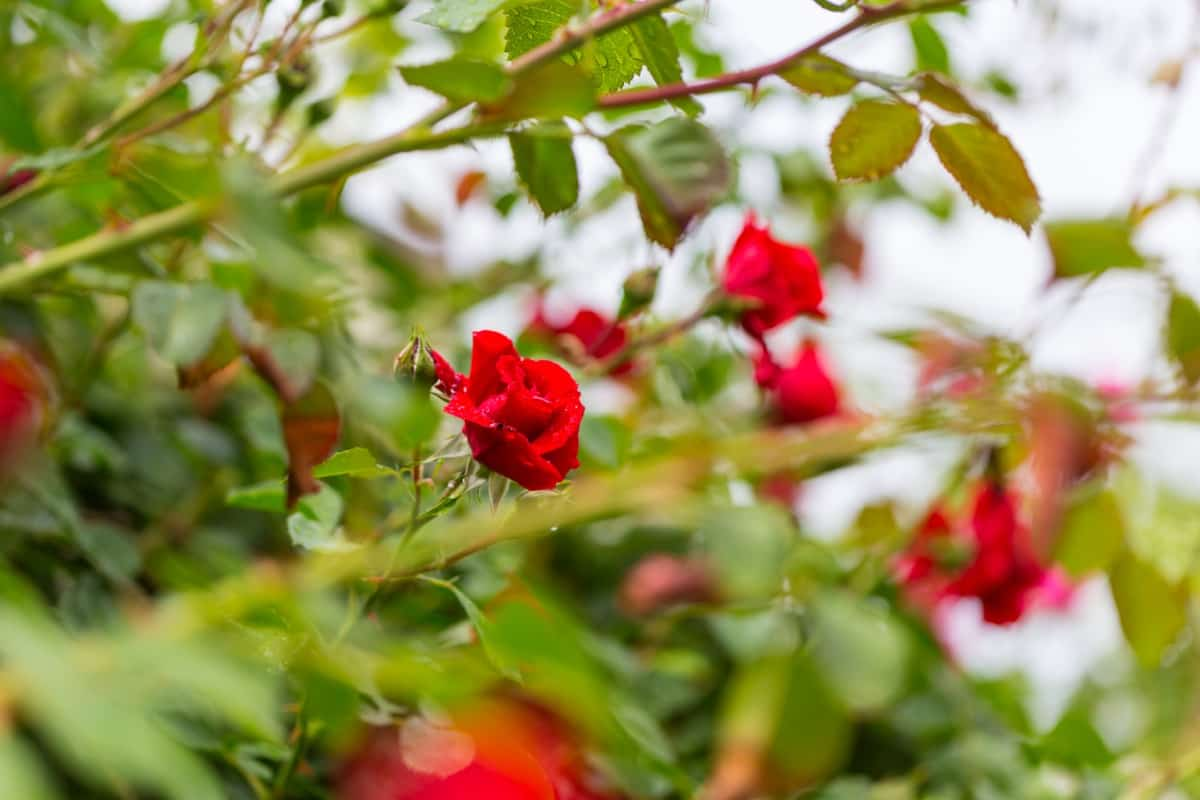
{"x":245,"y":542}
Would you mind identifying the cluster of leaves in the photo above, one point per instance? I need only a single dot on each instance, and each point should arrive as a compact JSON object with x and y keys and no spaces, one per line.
{"x":240,"y":540}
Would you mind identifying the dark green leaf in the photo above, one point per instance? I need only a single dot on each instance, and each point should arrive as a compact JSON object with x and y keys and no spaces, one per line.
{"x":990,"y":171}
{"x":677,"y":170}
{"x":661,"y":55}
{"x":612,"y":59}
{"x":873,"y":139}
{"x":16,"y":120}
{"x":460,"y":79}
{"x":546,"y":166}
{"x":1084,"y":247}
{"x":820,"y":75}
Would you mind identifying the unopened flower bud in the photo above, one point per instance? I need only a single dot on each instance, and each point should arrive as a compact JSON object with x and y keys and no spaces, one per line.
{"x":415,"y":365}
{"x":638,"y":291}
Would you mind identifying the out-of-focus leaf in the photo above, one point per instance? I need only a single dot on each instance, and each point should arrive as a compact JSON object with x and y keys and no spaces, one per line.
{"x":1074,"y":739}
{"x":820,"y":75}
{"x":21,"y":772}
{"x":937,"y":89}
{"x":661,"y":55}
{"x":111,"y":549}
{"x":990,"y":170}
{"x":16,"y":120}
{"x":460,"y":16}
{"x":357,"y":462}
{"x":1183,"y":334}
{"x":612,"y":59}
{"x":873,"y":139}
{"x":297,"y":353}
{"x":180,"y":321}
{"x":462,"y":80}
{"x":402,"y":416}
{"x":550,"y":91}
{"x":677,"y":170}
{"x":749,"y":547}
{"x":1084,"y":247}
{"x":928,"y":47}
{"x":497,"y":656}
{"x":1162,"y":526}
{"x":546,"y":166}
{"x":779,"y":712}
{"x":1092,"y":532}
{"x":860,"y":650}
{"x":1152,"y":610}
{"x":265,"y":496}
{"x":603,"y":441}
{"x":314,"y":523}
{"x":311,"y":426}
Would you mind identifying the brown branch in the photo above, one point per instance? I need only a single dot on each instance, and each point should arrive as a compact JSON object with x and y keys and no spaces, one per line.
{"x":869,"y":15}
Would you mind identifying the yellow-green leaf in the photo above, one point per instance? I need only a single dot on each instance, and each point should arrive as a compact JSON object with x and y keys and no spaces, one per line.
{"x":1083,"y":247}
{"x":873,"y":139}
{"x":1152,"y":610}
{"x":820,"y":75}
{"x":1092,"y":532}
{"x":1183,"y":334}
{"x":990,"y":170}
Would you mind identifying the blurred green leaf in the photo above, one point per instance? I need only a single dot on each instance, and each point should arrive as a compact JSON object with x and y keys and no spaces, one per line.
{"x":990,"y":170}
{"x":1183,"y":334}
{"x":180,"y":321}
{"x":460,"y":16}
{"x":873,"y":139}
{"x":677,"y":170}
{"x":820,"y":75}
{"x":497,"y":656}
{"x":861,"y":651}
{"x":1152,"y":610}
{"x":21,"y":772}
{"x":550,"y":91}
{"x":1092,"y":532}
{"x":314,"y":523}
{"x":929,"y":49}
{"x":545,"y":166}
{"x":461,"y":80}
{"x":1085,"y":247}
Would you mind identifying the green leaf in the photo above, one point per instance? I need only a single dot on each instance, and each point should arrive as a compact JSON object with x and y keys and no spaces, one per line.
{"x":21,"y":772}
{"x":989,"y":170}
{"x":111,"y":549}
{"x":16,"y":120}
{"x":677,"y":170}
{"x":613,"y":59}
{"x":873,"y":139}
{"x":945,"y":95}
{"x":661,"y":54}
{"x":495,"y":651}
{"x":1183,"y":334}
{"x":461,"y":80}
{"x":460,"y":16}
{"x":179,"y":320}
{"x":1092,"y":532}
{"x":297,"y":353}
{"x":545,"y":166}
{"x":314,"y":523}
{"x":357,"y":462}
{"x":1152,"y":611}
{"x":549,"y":91}
{"x":820,"y":75}
{"x":862,"y":652}
{"x":929,"y":49}
{"x":265,"y":496}
{"x":1085,"y":247}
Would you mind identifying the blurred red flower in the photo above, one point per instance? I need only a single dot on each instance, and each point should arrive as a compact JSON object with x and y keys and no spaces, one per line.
{"x":498,"y":749}
{"x":803,"y":392}
{"x":521,"y":415}
{"x":785,"y":279}
{"x":1001,"y":570}
{"x":590,"y":333}
{"x":22,"y":402}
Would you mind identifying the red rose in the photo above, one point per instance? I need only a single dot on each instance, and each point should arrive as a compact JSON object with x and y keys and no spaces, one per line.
{"x":597,"y":336}
{"x":495,"y":750}
{"x":22,"y":402}
{"x":803,"y":392}
{"x":1003,"y":573}
{"x":783,"y":278}
{"x":660,"y":580}
{"x":521,"y":415}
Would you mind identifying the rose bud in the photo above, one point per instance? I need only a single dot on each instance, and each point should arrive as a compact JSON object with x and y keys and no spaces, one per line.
{"x":783,"y":279}
{"x":661,"y":580}
{"x":521,"y":416}
{"x":801,"y":393}
{"x":637,"y":293}
{"x":416,"y":364}
{"x":23,"y":401}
